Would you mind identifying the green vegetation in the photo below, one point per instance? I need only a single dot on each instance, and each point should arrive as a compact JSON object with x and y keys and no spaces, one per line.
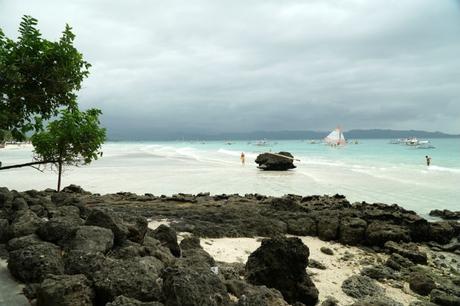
{"x":39,"y":80}
{"x":73,"y":139}
{"x":37,"y":77}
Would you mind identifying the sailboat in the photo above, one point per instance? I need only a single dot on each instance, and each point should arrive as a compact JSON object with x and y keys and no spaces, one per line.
{"x":335,"y":138}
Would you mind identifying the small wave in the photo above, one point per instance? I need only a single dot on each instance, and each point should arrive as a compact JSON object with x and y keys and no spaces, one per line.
{"x":444,"y":169}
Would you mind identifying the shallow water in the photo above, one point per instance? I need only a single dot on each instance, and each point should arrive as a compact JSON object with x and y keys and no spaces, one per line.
{"x":372,"y":171}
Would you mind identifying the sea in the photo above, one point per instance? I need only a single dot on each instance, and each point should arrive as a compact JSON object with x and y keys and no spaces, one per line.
{"x":373,"y":170}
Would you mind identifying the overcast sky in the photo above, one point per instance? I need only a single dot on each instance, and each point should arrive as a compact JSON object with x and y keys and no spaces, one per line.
{"x":161,"y":67}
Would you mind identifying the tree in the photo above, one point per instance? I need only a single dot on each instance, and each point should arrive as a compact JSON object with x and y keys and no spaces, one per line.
{"x":73,"y":139}
{"x":37,"y":77}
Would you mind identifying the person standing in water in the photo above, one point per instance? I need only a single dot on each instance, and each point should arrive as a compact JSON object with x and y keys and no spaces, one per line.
{"x":242,"y":158}
{"x":428,"y":160}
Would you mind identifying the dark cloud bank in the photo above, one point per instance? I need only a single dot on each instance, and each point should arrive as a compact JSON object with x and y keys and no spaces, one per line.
{"x":166,"y":68}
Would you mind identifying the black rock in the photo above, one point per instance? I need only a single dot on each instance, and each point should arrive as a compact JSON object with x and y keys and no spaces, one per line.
{"x":190,"y":286}
{"x":25,"y":223}
{"x":446,"y":214}
{"x":275,"y":162}
{"x":330,"y":301}
{"x":34,"y":262}
{"x":379,"y":232}
{"x":59,"y":228}
{"x":280,"y":263}
{"x":328,"y":227}
{"x":125,"y":301}
{"x":326,"y":251}
{"x":83,"y":262}
{"x":22,"y":242}
{"x":352,"y":231}
{"x":108,"y":219}
{"x":443,"y":298}
{"x":441,"y":232}
{"x":137,"y":278}
{"x":73,"y":189}
{"x":421,"y":283}
{"x":4,"y":230}
{"x":261,"y":296}
{"x":359,"y":287}
{"x":65,"y":290}
{"x":168,"y":237}
{"x":91,"y":239}
{"x":398,"y":262}
{"x":191,"y":242}
{"x":407,"y":250}
{"x":304,"y":226}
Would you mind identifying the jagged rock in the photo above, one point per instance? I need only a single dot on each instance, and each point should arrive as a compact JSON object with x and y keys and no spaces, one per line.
{"x":65,"y":290}
{"x":312,"y":263}
{"x":446,"y":214}
{"x":20,"y":204}
{"x":136,"y":278}
{"x":330,"y":301}
{"x":326,"y":251}
{"x":22,"y":242}
{"x":379,"y":272}
{"x":441,"y":232}
{"x":352,"y":231}
{"x":155,"y":249}
{"x":379,"y":232}
{"x":397,"y":262}
{"x":168,"y":237}
{"x":125,"y":301}
{"x":421,"y":303}
{"x":188,"y":243}
{"x":328,"y":228}
{"x":59,"y":228}
{"x":359,"y":287}
{"x":25,"y":223}
{"x":91,"y":239}
{"x":136,"y":225}
{"x":407,"y":250}
{"x":261,"y":296}
{"x":34,"y":262}
{"x":303,"y":227}
{"x":108,"y":219}
{"x":228,"y":271}
{"x":73,"y":189}
{"x":421,"y":283}
{"x":190,"y":286}
{"x":270,"y":161}
{"x":4,"y":230}
{"x":83,"y":262}
{"x":280,"y":263}
{"x":285,"y":203}
{"x":5,"y":197}
{"x":443,"y":298}
{"x":377,"y":301}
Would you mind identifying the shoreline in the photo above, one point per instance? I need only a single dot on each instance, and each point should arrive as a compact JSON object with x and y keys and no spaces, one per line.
{"x":381,"y":245}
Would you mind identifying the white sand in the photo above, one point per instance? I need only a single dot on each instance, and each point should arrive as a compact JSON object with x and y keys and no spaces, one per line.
{"x":327,"y":281}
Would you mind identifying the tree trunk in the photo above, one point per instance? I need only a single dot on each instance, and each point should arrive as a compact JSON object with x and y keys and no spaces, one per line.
{"x":59,"y":176}
{"x":27,"y":164}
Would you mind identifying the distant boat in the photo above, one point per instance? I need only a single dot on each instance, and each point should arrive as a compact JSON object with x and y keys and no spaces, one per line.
{"x":262,"y":143}
{"x":335,"y":138}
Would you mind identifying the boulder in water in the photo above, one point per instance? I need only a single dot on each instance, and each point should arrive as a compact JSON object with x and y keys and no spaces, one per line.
{"x":281,"y":161}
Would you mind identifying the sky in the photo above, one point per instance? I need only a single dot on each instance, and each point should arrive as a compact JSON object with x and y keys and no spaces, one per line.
{"x":170,"y":67}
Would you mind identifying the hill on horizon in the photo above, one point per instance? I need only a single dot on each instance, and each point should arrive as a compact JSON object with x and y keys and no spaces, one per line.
{"x":286,"y":135}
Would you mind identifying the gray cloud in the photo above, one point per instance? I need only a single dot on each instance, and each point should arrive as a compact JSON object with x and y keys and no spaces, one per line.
{"x":215,"y":66}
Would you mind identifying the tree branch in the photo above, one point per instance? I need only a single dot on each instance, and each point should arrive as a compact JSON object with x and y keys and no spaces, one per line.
{"x":28,"y":164}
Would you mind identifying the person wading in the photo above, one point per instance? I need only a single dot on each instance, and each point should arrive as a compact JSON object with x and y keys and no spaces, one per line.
{"x":428,"y":160}
{"x":242,"y":158}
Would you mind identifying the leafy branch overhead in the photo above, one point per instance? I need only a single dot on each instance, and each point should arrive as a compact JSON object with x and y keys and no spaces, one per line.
{"x":37,"y":77}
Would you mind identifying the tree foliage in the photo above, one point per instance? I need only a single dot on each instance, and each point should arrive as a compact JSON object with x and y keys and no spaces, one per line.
{"x":75,"y":138}
{"x":37,"y":77}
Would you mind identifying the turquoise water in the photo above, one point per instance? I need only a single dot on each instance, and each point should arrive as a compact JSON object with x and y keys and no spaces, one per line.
{"x":372,"y":170}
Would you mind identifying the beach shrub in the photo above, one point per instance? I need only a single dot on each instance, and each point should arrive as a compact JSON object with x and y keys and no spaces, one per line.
{"x":75,"y":138}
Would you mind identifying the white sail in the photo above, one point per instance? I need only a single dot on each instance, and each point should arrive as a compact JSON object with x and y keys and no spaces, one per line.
{"x":336,"y":137}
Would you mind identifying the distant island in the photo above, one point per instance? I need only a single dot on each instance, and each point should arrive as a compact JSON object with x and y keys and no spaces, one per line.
{"x":286,"y":135}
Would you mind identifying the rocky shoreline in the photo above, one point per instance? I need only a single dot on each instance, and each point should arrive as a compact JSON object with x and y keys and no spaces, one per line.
{"x":79,"y":248}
